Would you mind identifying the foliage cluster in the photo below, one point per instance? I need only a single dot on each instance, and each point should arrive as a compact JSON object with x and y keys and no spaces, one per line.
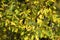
{"x":29,"y":20}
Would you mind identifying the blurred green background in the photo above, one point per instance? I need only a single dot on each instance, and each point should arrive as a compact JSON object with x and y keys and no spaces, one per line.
{"x":29,"y":19}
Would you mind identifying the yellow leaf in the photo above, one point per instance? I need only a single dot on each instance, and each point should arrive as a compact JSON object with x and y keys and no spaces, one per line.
{"x":41,"y":17}
{"x":12,"y":29}
{"x":22,"y":33}
{"x":53,"y":0}
{"x":16,"y":11}
{"x":28,"y":11}
{"x":0,"y":15}
{"x":26,"y":0}
{"x":16,"y":30}
{"x":40,"y":21}
{"x":36,"y":2}
{"x":32,"y":37}
{"x":4,"y":29}
{"x":54,"y":7}
{"x":26,"y":38}
{"x":7,"y":22}
{"x":9,"y":28}
{"x":12,"y":23}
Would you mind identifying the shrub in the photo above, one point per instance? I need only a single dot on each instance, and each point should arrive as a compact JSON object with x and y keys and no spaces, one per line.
{"x":29,"y":20}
